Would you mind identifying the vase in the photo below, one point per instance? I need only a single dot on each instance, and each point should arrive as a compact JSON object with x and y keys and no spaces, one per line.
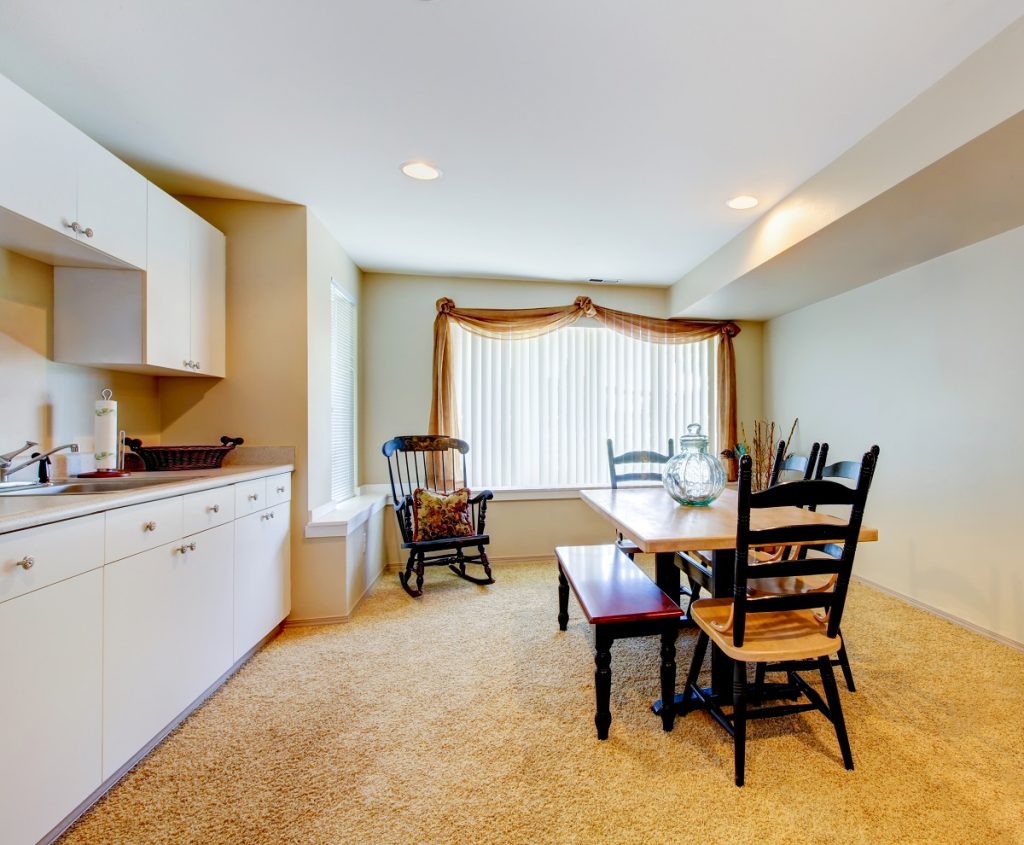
{"x":692,"y":476}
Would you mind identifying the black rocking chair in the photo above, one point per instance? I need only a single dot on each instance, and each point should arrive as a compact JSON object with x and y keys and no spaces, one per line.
{"x":436,"y":463}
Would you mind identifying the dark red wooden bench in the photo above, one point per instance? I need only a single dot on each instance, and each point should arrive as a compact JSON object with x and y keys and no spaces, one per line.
{"x":619,"y":600}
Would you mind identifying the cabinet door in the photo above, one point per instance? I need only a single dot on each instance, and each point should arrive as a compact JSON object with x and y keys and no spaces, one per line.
{"x":206,"y":306}
{"x":167,"y":631}
{"x":38,"y":176}
{"x":50,"y":664}
{"x":262,"y":575}
{"x":167,"y":282}
{"x":112,"y":203}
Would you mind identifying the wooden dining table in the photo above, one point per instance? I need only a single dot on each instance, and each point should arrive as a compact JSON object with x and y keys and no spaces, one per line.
{"x":652,"y":519}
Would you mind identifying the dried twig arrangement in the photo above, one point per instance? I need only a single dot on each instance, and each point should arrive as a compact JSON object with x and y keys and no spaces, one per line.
{"x":761,"y":450}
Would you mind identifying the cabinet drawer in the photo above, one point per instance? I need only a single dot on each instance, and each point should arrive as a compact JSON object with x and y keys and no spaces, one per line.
{"x":51,"y":553}
{"x":250,"y":496}
{"x":208,"y":509}
{"x":140,"y":527}
{"x":279,"y":489}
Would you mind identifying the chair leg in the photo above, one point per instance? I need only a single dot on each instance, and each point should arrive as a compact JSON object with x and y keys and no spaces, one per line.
{"x":420,"y":558}
{"x":486,"y":565}
{"x":563,"y":600}
{"x":696,"y":662}
{"x":835,"y":708}
{"x":759,"y":670}
{"x":602,"y":680}
{"x":404,"y":577}
{"x":668,"y":673}
{"x":739,"y":717}
{"x":844,"y":664}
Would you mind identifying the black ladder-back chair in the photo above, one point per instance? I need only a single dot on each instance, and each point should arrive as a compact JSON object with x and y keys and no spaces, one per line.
{"x":788,"y":630}
{"x":849,"y":470}
{"x":650,"y":459}
{"x":697,"y":565}
{"x":640,"y":457}
{"x":793,"y":463}
{"x":436,"y":463}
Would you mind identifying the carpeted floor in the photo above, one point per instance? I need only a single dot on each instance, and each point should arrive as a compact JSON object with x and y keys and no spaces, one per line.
{"x":467,"y":717}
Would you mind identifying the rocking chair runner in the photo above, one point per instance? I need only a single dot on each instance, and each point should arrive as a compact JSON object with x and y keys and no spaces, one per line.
{"x":436,"y":463}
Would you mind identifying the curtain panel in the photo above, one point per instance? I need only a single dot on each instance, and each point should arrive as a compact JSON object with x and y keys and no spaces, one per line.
{"x":532,"y":322}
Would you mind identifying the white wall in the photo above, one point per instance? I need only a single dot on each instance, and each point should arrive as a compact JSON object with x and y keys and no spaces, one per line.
{"x":925,"y":363}
{"x":45,"y":401}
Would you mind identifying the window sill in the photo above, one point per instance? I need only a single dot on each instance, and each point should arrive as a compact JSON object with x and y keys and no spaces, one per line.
{"x":521,"y":494}
{"x":338,"y":520}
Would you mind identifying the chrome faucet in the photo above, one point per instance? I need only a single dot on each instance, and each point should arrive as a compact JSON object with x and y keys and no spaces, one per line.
{"x":6,"y":470}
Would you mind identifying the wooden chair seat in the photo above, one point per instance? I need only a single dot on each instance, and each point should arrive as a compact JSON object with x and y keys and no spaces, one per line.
{"x":620,"y":600}
{"x":774,"y":637}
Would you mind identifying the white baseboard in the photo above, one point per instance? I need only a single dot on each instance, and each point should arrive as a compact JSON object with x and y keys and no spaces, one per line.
{"x":942,"y":614}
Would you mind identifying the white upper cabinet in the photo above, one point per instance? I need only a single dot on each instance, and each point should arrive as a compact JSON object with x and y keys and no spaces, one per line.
{"x":111,"y":204}
{"x":207,"y":267}
{"x":167,"y":281}
{"x":170,"y":319}
{"x":64,"y":199}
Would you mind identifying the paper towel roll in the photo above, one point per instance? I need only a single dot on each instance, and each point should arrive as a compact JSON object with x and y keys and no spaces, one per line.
{"x":105,"y":447}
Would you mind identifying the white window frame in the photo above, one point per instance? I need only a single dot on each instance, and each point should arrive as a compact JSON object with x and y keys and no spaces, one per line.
{"x":344,"y":369}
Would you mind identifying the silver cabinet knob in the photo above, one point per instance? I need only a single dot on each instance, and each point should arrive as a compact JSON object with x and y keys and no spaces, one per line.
{"x":253,"y":497}
{"x":74,"y":226}
{"x":26,"y":562}
{"x":214,"y":509}
{"x":270,"y":515}
{"x":186,"y":547}
{"x":280,"y":489}
{"x":197,"y":366}
{"x":149,"y":526}
{"x":192,"y":546}
{"x":87,"y":232}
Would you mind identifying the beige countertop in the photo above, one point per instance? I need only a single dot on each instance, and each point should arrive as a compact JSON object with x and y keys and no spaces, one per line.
{"x":17,"y":512}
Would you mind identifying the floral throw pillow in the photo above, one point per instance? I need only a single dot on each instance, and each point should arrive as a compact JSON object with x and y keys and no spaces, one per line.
{"x":438,"y":517}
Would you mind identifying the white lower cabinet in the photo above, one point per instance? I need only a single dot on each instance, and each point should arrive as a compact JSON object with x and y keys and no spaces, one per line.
{"x":50,"y":709}
{"x":168,"y":635}
{"x":98,"y":660}
{"x":262,"y":575}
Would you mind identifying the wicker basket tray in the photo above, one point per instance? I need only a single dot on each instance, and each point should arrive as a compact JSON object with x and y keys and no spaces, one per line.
{"x":182,"y":457}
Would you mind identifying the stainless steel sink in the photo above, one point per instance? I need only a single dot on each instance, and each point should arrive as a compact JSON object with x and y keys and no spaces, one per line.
{"x":76,"y":487}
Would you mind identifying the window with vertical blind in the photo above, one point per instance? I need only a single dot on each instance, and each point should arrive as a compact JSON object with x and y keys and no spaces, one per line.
{"x":343,"y":393}
{"x":537,"y":412}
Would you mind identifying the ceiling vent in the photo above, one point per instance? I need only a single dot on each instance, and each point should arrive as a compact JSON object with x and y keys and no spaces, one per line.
{"x":605,"y":281}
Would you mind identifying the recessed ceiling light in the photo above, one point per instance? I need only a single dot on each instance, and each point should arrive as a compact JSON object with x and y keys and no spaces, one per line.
{"x":742,"y":201}
{"x":421,"y":170}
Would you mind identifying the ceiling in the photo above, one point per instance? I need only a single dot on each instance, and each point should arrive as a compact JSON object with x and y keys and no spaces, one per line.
{"x":578,"y":138}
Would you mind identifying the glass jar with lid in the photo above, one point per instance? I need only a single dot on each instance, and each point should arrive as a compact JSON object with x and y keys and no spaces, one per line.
{"x":692,"y":476}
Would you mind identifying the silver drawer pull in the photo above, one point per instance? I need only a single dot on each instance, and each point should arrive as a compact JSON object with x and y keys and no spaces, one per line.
{"x":253,"y":497}
{"x":270,"y":515}
{"x":26,"y":562}
{"x":149,"y":526}
{"x":187,"y":547}
{"x":214,"y":509}
{"x":280,"y":489}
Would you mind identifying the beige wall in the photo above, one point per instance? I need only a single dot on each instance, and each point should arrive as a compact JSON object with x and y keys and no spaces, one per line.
{"x":396,"y":318}
{"x":45,"y":401}
{"x":280,"y":261}
{"x":925,"y":364}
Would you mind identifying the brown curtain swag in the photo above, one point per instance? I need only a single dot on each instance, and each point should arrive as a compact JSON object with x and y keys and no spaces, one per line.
{"x":532,"y":322}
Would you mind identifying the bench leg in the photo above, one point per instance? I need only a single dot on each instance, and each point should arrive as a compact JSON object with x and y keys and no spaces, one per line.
{"x":668,"y":673}
{"x":603,"y":680}
{"x":563,"y":600}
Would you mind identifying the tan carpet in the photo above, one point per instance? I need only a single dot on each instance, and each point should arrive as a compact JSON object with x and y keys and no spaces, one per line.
{"x":467,"y":717}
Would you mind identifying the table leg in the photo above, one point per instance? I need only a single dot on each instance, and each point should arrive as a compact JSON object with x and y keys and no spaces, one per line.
{"x":666,"y":574}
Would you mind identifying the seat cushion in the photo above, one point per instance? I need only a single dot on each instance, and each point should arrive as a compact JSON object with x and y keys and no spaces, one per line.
{"x":437,"y":516}
{"x":769,"y":637}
